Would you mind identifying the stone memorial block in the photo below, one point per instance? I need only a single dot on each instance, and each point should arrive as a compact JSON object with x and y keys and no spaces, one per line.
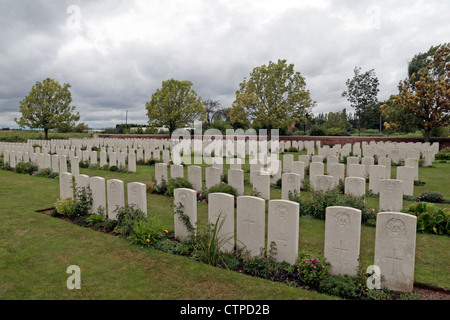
{"x":166,"y":156}
{"x":261,"y":184}
{"x":305,"y":159}
{"x":185,"y":200}
{"x":236,"y":180}
{"x":212,"y":177}
{"x":342,"y":239}
{"x":113,"y":159}
{"x":395,"y":156}
{"x":275,"y":170}
{"x":291,"y":183}
{"x":139,"y":155}
{"x":323,"y":182}
{"x":115,"y":197}
{"x":287,"y":161}
{"x":355,"y":186}
{"x":55,"y":163}
{"x":355,"y":170}
{"x":406,"y":174}
{"x":221,"y":210}
{"x":386,"y":162}
{"x":283,"y":228}
{"x":367,"y":162}
{"x":413,"y":162}
{"x":195,"y":177}
{"x":315,"y":168}
{"x":137,"y":195}
{"x":337,"y":170}
{"x":250,"y":224}
{"x":254,"y":169}
{"x":93,"y":157}
{"x":428,"y":158}
{"x":121,"y":160}
{"x":47,"y":161}
{"x":161,"y":173}
{"x":103,"y":158}
{"x":332,"y":159}
{"x":132,"y":162}
{"x":66,"y":185}
{"x":156,"y":154}
{"x":298,"y":167}
{"x":176,"y":171}
{"x":317,"y":158}
{"x":413,"y":153}
{"x":81,"y":181}
{"x":98,"y":189}
{"x":395,"y":245}
{"x":376,"y":174}
{"x":391,"y":195}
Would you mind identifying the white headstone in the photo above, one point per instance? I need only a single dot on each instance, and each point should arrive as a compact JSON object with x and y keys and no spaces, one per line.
{"x":137,"y":195}
{"x":161,"y":173}
{"x":186,"y":201}
{"x":195,"y":177}
{"x":291,"y":183}
{"x":376,"y":174}
{"x":355,"y":186}
{"x":283,"y":228}
{"x":221,"y":210}
{"x":115,"y":197}
{"x":250,"y":224}
{"x":342,"y":239}
{"x":98,"y":189}
{"x":391,"y":195}
{"x":236,"y":180}
{"x":66,"y":185}
{"x":406,"y":174}
{"x":395,"y":244}
{"x":261,"y":184}
{"x":212,"y":177}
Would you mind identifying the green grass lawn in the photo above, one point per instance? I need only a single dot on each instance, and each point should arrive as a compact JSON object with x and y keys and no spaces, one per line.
{"x":36,"y":250}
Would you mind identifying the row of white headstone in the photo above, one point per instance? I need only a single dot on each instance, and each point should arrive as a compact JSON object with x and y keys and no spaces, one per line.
{"x":245,"y":228}
{"x":107,"y":195}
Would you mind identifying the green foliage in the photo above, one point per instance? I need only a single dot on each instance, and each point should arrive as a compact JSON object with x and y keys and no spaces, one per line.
{"x":46,"y":173}
{"x":147,"y":232}
{"x":430,"y":219}
{"x":312,"y":268}
{"x":443,"y":154}
{"x":263,"y":265}
{"x":47,"y":106}
{"x":95,"y":220}
{"x":431,"y":197}
{"x":339,"y":285}
{"x":316,"y":130}
{"x":75,"y":207}
{"x":26,"y":168}
{"x":208,"y":247}
{"x":126,"y":217}
{"x":222,"y":187}
{"x":274,"y":96}
{"x":175,"y":105}
{"x":315,"y":204}
{"x":175,"y":184}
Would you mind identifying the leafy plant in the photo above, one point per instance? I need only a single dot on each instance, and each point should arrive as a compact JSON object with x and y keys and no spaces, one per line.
{"x":312,"y":269}
{"x":222,"y":187}
{"x":431,"y":197}
{"x":147,"y":232}
{"x":263,"y":265}
{"x":430,"y":219}
{"x":175,"y":184}
{"x":339,"y":285}
{"x":209,"y":245}
{"x":26,"y":167}
{"x":126,"y":217}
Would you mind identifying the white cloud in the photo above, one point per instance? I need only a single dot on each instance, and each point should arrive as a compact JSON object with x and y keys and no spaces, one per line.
{"x":122,"y":51}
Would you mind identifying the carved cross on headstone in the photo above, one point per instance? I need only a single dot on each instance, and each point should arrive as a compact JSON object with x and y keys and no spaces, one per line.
{"x":394,"y":259}
{"x":340,"y":249}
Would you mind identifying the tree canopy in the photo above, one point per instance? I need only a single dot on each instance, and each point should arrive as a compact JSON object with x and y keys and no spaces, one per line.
{"x":175,"y":105}
{"x":362,"y":91}
{"x":425,"y":97}
{"x":274,"y":97}
{"x":47,"y":106}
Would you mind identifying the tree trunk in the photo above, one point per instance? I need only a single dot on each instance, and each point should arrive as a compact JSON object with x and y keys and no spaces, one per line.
{"x":45,"y":133}
{"x":426,"y":135}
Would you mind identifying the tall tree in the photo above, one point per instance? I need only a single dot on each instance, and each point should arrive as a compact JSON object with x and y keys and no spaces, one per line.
{"x":362,"y":91}
{"x":47,"y":106}
{"x":274,"y":97}
{"x":175,"y":105}
{"x":426,"y":95}
{"x":211,"y":109}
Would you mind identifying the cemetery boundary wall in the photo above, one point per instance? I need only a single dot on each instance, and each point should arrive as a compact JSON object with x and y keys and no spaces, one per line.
{"x":325,"y":140}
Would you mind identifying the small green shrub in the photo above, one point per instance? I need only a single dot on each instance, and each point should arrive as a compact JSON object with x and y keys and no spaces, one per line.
{"x":126,"y":217}
{"x":263,"y":265}
{"x":339,"y":285}
{"x":147,"y":232}
{"x":430,"y":219}
{"x":175,"y":184}
{"x":312,"y":268}
{"x":46,"y":173}
{"x":65,"y":206}
{"x":26,"y":168}
{"x":431,"y":197}
{"x":222,"y":187}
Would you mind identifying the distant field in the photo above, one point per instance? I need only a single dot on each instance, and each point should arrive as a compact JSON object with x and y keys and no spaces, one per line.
{"x":24,"y":135}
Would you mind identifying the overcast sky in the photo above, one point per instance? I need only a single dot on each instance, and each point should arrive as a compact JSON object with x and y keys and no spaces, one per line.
{"x":115,"y":54}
